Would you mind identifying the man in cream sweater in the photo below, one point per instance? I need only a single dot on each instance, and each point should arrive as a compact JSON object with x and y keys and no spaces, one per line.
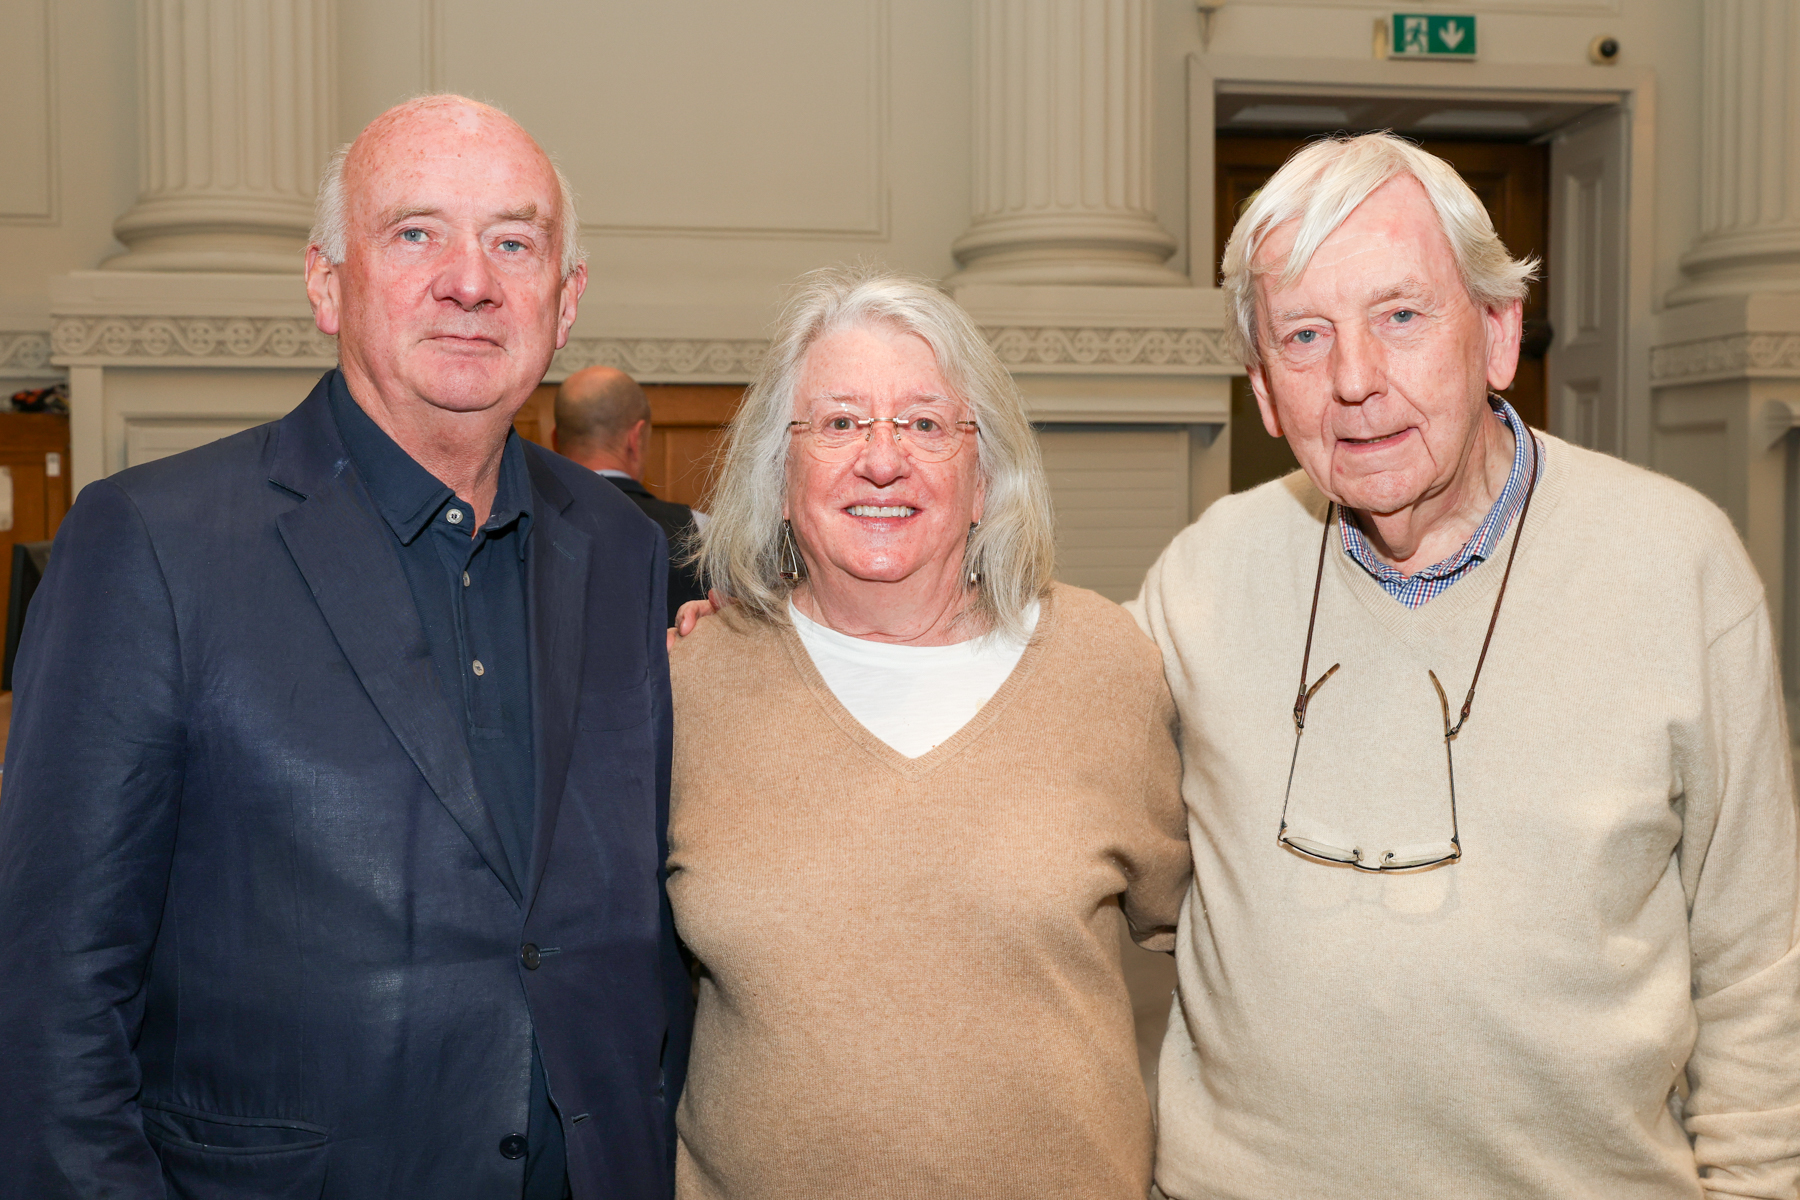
{"x":1486,"y":766}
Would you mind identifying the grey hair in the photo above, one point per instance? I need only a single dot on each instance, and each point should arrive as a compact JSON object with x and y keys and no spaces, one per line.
{"x":331,"y":208}
{"x":1321,"y":185}
{"x":1014,"y":548}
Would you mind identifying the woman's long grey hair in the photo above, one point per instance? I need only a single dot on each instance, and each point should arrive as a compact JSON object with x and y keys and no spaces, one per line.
{"x":1013,"y":550}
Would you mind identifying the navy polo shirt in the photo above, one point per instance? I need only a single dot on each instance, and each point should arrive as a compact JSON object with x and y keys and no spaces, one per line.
{"x":469,"y":586}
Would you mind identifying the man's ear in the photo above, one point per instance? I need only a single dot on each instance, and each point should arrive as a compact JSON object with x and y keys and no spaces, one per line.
{"x":572,"y":287}
{"x":1503,"y":327}
{"x":322,"y":291}
{"x":1259,"y":384}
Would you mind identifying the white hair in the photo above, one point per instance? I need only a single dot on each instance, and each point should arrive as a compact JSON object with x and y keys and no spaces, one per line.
{"x":1321,"y":185}
{"x":331,"y":210}
{"x":1014,"y":548}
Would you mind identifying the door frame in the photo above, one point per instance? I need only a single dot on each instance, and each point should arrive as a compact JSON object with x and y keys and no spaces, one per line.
{"x":1631,"y":88}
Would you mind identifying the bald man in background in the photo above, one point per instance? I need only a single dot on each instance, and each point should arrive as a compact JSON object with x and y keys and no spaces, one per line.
{"x":603,"y":423}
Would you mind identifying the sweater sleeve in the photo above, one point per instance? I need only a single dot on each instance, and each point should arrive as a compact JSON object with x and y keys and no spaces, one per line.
{"x":1153,"y":900}
{"x":1740,"y":866}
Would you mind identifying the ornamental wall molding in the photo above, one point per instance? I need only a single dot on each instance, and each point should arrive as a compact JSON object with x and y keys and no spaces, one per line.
{"x":664,"y":360}
{"x":25,"y":354}
{"x":296,"y":342}
{"x":1090,"y":349}
{"x":1765,"y":355}
{"x":191,"y":341}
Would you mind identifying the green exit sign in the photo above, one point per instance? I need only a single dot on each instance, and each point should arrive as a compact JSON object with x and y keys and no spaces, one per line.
{"x":1432,"y":35}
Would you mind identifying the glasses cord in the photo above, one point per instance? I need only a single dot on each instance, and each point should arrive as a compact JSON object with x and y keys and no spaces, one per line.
{"x":1333,"y":508}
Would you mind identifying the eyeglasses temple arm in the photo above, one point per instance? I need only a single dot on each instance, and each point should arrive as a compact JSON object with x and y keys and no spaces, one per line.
{"x":1303,"y":694}
{"x":1518,"y":536}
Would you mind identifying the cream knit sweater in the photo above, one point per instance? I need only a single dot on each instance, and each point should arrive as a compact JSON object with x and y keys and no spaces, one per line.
{"x":1621,"y":928}
{"x":912,"y":983}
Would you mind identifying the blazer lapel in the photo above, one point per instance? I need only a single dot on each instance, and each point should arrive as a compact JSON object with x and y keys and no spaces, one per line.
{"x":339,"y":544}
{"x":558,"y":603}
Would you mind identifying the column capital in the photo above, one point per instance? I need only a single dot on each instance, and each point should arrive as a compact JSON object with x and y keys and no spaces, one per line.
{"x":1749,"y":153}
{"x":1062,"y":147}
{"x":236,"y":118}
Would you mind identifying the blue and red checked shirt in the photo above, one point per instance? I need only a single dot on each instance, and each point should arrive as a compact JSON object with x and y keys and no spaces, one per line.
{"x":1414,"y":590}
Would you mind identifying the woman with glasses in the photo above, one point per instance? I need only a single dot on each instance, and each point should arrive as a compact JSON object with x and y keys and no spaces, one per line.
{"x":917,"y":788}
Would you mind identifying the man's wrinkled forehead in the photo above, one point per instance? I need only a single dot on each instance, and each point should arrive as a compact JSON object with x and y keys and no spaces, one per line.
{"x":462,"y":141}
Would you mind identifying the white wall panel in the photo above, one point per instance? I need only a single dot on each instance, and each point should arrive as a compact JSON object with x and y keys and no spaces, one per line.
{"x":27,"y":100}
{"x":695,"y":116}
{"x":1120,"y":496}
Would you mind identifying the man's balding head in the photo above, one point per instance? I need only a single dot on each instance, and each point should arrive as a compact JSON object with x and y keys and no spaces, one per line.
{"x":596,"y":410}
{"x":331,"y":218}
{"x":445,"y":265}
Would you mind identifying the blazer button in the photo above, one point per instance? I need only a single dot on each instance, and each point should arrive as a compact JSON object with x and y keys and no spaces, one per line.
{"x":512,"y":1146}
{"x":530,"y":956}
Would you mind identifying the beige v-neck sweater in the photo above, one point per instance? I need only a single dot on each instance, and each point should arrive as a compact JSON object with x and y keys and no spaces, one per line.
{"x":911,"y":980}
{"x":1623,"y":922}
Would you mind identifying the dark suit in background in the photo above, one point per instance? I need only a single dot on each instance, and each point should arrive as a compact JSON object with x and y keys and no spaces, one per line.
{"x":259,"y":933}
{"x":677,"y":522}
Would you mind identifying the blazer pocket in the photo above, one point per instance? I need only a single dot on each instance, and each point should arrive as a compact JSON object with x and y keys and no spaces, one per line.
{"x":625,"y":708}
{"x":210,"y":1157}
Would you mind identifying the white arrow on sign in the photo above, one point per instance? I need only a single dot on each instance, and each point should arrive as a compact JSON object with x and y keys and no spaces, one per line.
{"x":1451,"y":34}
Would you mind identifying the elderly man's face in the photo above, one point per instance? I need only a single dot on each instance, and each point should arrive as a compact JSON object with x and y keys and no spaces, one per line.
{"x":451,"y":293}
{"x":1376,"y":363}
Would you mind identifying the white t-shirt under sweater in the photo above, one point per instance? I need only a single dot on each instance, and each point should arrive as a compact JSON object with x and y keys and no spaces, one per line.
{"x":911,"y":697}
{"x":1601,"y":1000}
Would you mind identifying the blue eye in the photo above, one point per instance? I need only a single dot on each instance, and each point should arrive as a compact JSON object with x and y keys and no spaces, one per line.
{"x":511,"y":244}
{"x":412,"y":235}
{"x":1404,"y":315}
{"x":1306,"y":336}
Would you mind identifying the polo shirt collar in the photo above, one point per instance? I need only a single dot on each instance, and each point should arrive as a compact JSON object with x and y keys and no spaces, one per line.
{"x":407,"y":495}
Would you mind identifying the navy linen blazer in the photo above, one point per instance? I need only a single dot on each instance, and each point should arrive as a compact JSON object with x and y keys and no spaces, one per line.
{"x":257,"y":934}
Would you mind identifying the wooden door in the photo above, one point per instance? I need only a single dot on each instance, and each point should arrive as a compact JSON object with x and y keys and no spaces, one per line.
{"x":1512,"y":180}
{"x":34,"y":454}
{"x":687,"y":434}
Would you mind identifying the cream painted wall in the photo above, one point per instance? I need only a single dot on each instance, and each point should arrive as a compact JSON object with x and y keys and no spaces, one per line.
{"x":68,"y":154}
{"x":722,"y":149}
{"x":718,"y":150}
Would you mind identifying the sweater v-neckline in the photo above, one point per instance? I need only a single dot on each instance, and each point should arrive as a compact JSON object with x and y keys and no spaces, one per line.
{"x":915,"y":769}
{"x":1417,"y":627}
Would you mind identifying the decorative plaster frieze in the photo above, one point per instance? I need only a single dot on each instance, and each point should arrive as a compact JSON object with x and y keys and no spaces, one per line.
{"x":296,"y":342}
{"x":1737,"y":355}
{"x":664,"y":360}
{"x":25,"y":354}
{"x":1031,"y":349}
{"x":227,"y":341}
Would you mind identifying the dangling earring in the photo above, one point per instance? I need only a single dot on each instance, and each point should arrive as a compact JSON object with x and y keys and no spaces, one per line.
{"x":974,"y":574}
{"x":789,"y":564}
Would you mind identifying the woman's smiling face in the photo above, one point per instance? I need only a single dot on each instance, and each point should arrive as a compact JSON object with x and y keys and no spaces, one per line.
{"x":879,"y":515}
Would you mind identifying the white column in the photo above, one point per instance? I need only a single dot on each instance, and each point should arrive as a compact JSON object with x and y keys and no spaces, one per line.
{"x":236,"y":120}
{"x":1749,"y":152}
{"x":1062,"y":147}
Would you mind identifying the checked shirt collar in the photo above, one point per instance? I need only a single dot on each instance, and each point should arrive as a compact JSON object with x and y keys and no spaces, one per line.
{"x":1416,"y":589}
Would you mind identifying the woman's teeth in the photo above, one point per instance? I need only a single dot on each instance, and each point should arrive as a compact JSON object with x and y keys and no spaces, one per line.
{"x":871,"y":510}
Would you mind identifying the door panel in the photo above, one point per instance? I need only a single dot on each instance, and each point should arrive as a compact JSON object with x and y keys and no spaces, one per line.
{"x":34,"y":448}
{"x":687,"y":434}
{"x":1587,"y":362}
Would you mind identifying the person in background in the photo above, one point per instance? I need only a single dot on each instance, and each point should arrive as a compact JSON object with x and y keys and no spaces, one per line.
{"x":603,"y":423}
{"x":919,"y":789}
{"x":1494,"y":829}
{"x":331,"y":854}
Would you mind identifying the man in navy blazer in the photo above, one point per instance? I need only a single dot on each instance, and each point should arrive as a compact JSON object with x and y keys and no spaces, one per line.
{"x":333,"y":832}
